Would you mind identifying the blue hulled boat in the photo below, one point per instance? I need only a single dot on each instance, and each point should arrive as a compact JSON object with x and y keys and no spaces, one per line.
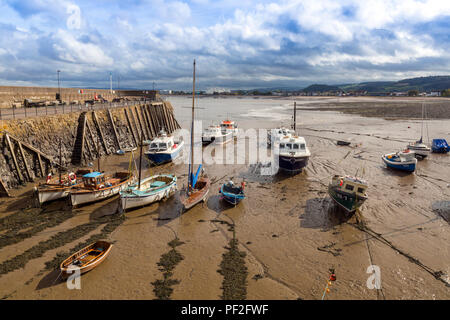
{"x":163,"y":149}
{"x":231,"y":193}
{"x":403,"y":160}
{"x":440,"y":146}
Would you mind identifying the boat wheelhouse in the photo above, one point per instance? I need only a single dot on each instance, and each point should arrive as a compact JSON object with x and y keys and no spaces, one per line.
{"x":216,"y":134}
{"x":348,"y":192}
{"x":163,"y":149}
{"x":293,"y":154}
{"x":276,"y":134}
{"x":229,"y":126}
{"x":419,"y":148}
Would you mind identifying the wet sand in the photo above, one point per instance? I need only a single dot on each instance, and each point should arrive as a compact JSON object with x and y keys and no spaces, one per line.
{"x":287,"y":227}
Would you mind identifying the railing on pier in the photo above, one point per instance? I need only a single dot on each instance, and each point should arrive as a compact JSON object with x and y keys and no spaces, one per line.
{"x":22,"y":112}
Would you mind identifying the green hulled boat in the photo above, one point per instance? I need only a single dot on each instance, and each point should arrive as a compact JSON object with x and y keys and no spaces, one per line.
{"x":348,"y":192}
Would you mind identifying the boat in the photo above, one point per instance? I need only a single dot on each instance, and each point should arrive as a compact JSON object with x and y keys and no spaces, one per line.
{"x":86,"y":259}
{"x":125,"y":150}
{"x":231,"y":193}
{"x":343,"y":143}
{"x":293,"y":154}
{"x":402,"y":160}
{"x":440,"y":146}
{"x":216,"y":135}
{"x":421,"y":150}
{"x":164,"y":148}
{"x":98,"y":186}
{"x":58,"y":188}
{"x":229,"y":126}
{"x":198,"y":186}
{"x":151,"y":189}
{"x":348,"y":192}
{"x":277,"y":134}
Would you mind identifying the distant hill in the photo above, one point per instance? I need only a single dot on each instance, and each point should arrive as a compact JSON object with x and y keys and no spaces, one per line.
{"x":433,"y":83}
{"x":321,"y":88}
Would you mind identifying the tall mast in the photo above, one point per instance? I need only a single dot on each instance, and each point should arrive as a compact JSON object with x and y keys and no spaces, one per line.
{"x":295,"y":115}
{"x":60,"y":159}
{"x":140,"y":162}
{"x":192,"y":133}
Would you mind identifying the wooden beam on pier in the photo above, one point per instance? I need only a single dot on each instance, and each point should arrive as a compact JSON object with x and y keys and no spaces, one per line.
{"x":13,"y":155}
{"x":99,"y":129}
{"x":146,"y":121}
{"x":111,"y":120}
{"x":3,"y":190}
{"x":139,"y":121}
{"x":155,"y":117}
{"x":27,"y":168}
{"x":41,"y":167}
{"x":130,"y":127}
{"x":88,"y":127}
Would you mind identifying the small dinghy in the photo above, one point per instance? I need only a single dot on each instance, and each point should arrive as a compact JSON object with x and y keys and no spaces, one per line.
{"x":348,"y":192}
{"x":403,"y":160}
{"x":86,"y":259}
{"x":231,"y":193}
{"x":440,"y":146}
{"x":343,"y":143}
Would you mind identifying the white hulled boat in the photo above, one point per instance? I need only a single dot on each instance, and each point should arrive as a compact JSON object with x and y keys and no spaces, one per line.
{"x":216,"y":135}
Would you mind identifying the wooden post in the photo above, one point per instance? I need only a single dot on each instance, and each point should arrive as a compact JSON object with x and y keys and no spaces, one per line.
{"x":16,"y":165}
{"x":41,"y":167}
{"x":146,"y":121}
{"x":130,"y":127}
{"x":22,"y":153}
{"x":111,"y":120}
{"x":139,"y":119}
{"x":94,"y":117}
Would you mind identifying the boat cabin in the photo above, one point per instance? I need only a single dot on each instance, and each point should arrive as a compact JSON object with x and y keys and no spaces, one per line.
{"x":293,"y":144}
{"x":213,"y":131}
{"x":94,"y":180}
{"x":351,"y":185}
{"x":226,"y":124}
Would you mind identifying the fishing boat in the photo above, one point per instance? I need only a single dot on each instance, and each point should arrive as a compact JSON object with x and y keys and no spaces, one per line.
{"x":420,"y":149}
{"x":276,"y":134}
{"x":98,"y":186}
{"x":86,"y":259}
{"x":59,"y":187}
{"x":440,"y":146}
{"x":216,"y":135}
{"x":229,"y":126}
{"x":402,"y":160}
{"x":231,"y":193}
{"x":293,"y":155}
{"x":198,"y":186}
{"x":164,"y":148}
{"x":348,"y":192}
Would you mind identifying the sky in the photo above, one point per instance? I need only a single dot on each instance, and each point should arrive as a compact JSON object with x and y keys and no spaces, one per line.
{"x":236,"y":44}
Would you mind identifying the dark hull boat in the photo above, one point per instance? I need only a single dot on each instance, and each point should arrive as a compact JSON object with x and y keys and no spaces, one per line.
{"x":231,"y":193}
{"x":347,"y":192}
{"x":292,"y":164}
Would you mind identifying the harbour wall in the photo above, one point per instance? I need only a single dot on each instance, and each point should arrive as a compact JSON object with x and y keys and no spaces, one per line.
{"x":31,"y":147}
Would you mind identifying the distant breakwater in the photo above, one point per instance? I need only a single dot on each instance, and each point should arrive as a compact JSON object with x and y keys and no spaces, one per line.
{"x":31,"y":147}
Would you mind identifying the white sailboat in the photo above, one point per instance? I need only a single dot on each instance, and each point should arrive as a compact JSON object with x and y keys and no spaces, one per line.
{"x":420,"y":149}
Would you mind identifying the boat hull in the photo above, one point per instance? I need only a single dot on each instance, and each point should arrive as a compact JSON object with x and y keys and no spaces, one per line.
{"x":67,"y":269}
{"x":90,"y":196}
{"x":133,"y":200}
{"x":347,"y":201}
{"x":163,"y":157}
{"x":407,"y":167}
{"x":196,"y":197}
{"x":292,"y":165}
{"x":52,"y":195}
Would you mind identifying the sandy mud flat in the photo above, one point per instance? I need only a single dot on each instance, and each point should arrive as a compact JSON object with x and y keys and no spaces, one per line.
{"x":281,"y":240}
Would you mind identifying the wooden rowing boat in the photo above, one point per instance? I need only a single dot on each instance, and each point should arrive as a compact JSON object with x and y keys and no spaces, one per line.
{"x":87,"y":258}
